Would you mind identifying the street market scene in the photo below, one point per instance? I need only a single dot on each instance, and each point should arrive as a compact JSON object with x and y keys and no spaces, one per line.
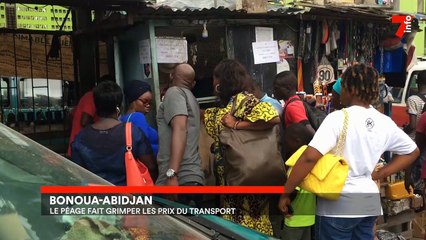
{"x":213,"y":119}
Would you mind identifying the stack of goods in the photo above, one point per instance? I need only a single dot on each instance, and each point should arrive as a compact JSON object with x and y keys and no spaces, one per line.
{"x":397,"y":205}
{"x":397,"y":198}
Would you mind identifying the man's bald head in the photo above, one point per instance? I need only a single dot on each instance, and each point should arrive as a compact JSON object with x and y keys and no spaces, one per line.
{"x":183,"y":74}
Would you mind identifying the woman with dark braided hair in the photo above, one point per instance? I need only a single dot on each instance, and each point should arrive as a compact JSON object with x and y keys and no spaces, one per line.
{"x":232,"y":84}
{"x":368,"y":134}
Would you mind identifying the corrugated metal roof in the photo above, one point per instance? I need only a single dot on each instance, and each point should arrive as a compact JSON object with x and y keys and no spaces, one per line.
{"x":212,"y":5}
{"x":187,"y":8}
{"x":182,"y":5}
{"x":177,"y":8}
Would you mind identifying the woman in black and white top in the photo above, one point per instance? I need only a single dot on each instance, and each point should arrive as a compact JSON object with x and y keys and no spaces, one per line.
{"x":369,"y":134}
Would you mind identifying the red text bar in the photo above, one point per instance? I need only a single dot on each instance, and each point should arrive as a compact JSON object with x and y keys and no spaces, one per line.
{"x":163,"y":189}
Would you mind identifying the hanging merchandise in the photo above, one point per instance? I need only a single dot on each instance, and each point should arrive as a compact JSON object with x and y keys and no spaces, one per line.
{"x":335,"y":36}
{"x":324,"y":39}
{"x":347,"y":44}
{"x":390,"y":57}
{"x":303,"y":42}
{"x":299,"y":75}
{"x":328,"y":48}
{"x":411,"y":57}
{"x":317,"y":45}
{"x":308,"y":43}
{"x":340,"y":64}
{"x":341,"y":40}
{"x":390,"y":44}
{"x":329,"y":33}
{"x":357,"y":42}
{"x":353,"y":43}
{"x":368,"y":44}
{"x":410,"y":50}
{"x":300,"y":57}
{"x":392,"y":61}
{"x":381,"y":61}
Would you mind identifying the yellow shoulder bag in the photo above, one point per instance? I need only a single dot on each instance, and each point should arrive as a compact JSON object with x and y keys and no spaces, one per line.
{"x":328,"y":176}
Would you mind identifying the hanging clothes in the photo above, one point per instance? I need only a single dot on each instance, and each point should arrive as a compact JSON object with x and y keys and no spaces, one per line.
{"x":391,"y":61}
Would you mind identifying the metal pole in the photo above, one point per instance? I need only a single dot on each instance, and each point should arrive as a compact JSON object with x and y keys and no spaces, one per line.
{"x":47,"y":79}
{"x":154,"y":64}
{"x":32,"y":80}
{"x":17,"y":93}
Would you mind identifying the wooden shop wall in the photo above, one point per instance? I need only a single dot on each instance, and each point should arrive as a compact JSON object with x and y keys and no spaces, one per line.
{"x":239,"y":43}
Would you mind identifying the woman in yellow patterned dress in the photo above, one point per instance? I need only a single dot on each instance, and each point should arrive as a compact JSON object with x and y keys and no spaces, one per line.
{"x":232,"y":83}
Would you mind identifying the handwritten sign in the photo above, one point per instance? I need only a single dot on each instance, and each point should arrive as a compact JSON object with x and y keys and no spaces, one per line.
{"x":265,"y":52}
{"x":172,"y":50}
{"x":144,"y":51}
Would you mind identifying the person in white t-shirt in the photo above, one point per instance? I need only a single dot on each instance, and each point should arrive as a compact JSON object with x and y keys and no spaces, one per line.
{"x":369,"y":134}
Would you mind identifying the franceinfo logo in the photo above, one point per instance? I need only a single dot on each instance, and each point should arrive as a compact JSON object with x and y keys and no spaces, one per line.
{"x":404,"y":24}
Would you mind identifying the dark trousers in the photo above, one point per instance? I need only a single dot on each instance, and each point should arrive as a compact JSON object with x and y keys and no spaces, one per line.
{"x":192,"y":200}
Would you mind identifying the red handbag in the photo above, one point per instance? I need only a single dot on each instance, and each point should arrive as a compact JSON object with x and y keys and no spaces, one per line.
{"x":137,"y":173}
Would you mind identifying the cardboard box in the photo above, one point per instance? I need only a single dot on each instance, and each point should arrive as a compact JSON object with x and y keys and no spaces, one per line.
{"x":419,"y":225}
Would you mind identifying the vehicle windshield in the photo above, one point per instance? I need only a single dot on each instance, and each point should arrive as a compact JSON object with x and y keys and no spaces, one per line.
{"x":412,"y":87}
{"x":25,"y":166}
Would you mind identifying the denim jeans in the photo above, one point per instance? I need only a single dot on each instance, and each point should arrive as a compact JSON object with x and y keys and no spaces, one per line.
{"x":335,"y":228}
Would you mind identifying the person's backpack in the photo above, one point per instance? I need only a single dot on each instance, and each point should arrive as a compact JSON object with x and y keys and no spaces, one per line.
{"x":314,"y":115}
{"x":423,"y":97}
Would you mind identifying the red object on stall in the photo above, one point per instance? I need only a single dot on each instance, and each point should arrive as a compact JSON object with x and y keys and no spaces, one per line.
{"x":299,"y":75}
{"x":325,"y":32}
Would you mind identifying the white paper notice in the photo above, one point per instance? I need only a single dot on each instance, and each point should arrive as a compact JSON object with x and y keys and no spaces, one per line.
{"x":283,"y":66}
{"x":144,"y":51}
{"x":264,"y":34}
{"x":172,"y":50}
{"x":265,"y":52}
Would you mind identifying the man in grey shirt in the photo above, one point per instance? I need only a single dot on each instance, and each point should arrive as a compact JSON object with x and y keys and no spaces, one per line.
{"x":178,"y":122}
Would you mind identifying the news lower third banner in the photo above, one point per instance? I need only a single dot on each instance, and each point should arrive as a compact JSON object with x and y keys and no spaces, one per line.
{"x":152,"y":200}
{"x":111,"y":200}
{"x":118,"y":205}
